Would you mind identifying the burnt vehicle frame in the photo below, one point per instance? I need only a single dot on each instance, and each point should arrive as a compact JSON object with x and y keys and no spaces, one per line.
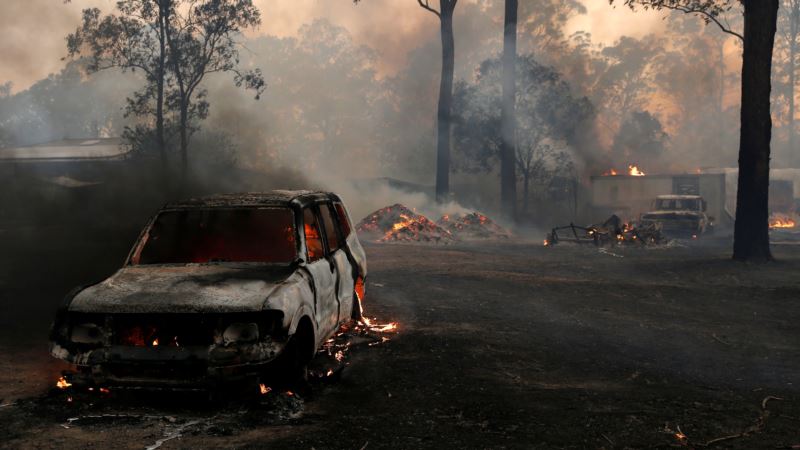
{"x":682,"y":216}
{"x":198,"y":325}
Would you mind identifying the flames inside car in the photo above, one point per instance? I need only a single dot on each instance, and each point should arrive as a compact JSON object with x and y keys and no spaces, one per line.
{"x":263,"y":235}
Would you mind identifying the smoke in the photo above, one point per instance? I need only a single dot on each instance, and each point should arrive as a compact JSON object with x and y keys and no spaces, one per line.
{"x":352,"y":94}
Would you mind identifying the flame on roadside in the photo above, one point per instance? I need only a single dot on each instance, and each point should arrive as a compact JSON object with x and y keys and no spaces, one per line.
{"x":610,"y":173}
{"x":264,"y":389}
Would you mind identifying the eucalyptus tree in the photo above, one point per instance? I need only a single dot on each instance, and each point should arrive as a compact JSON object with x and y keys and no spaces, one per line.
{"x":751,"y":232}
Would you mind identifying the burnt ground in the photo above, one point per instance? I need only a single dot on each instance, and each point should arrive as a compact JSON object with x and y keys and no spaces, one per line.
{"x":506,"y":345}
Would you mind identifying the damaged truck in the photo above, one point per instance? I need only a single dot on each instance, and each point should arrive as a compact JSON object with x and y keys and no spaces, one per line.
{"x":222,"y":288}
{"x":679,"y":216}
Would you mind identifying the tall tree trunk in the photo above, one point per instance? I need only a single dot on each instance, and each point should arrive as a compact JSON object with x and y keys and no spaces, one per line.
{"x":526,"y":183}
{"x":508,"y":177}
{"x":184,"y":97}
{"x":794,"y":23}
{"x":160,"y":143}
{"x":445,"y":103}
{"x":751,"y":233}
{"x":721,"y":131}
{"x":184,"y":139}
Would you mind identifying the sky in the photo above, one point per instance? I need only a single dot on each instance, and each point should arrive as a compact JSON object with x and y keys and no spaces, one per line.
{"x":32,"y":32}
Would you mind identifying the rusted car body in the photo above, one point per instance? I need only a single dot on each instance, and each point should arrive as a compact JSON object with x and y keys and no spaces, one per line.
{"x":679,"y":215}
{"x":218,"y":289}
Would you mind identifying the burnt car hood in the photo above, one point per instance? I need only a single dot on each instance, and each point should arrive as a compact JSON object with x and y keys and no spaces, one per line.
{"x":181,"y":289}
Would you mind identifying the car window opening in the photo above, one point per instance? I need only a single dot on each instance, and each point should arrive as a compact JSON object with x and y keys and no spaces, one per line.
{"x":313,"y":236}
{"x":263,"y":235}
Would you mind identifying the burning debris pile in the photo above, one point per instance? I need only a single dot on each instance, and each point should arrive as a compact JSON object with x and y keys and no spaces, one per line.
{"x":611,"y":232}
{"x":473,"y":226}
{"x":397,"y":223}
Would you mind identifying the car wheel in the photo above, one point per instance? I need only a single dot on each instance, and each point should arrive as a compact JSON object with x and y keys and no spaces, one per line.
{"x":297,"y":355}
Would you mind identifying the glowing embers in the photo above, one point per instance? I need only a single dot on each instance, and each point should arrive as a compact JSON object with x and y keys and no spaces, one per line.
{"x":472,"y":226}
{"x":145,"y":336}
{"x":782,"y":221}
{"x":397,"y":223}
{"x":155,"y":330}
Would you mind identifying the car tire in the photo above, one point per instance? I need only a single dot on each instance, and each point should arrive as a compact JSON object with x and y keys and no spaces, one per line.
{"x":297,"y":355}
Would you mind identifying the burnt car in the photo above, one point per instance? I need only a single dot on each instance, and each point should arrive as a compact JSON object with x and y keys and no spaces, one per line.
{"x":218,"y":289}
{"x":679,"y":216}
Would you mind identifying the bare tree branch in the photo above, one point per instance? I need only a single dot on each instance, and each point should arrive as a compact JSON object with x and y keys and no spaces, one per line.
{"x":426,"y":5}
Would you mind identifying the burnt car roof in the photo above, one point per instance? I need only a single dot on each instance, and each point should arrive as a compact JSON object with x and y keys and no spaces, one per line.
{"x":253,"y":199}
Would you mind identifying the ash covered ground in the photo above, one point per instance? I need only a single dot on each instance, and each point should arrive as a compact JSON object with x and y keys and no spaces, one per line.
{"x":500,"y":345}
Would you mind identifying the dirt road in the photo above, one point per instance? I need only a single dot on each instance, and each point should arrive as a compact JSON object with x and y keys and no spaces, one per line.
{"x":499,"y":346}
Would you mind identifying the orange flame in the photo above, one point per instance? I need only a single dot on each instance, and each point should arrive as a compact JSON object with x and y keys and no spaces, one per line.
{"x":635,"y":171}
{"x":155,"y":342}
{"x":610,"y":172}
{"x":782,"y":222}
{"x":62,"y":383}
{"x":264,"y":389}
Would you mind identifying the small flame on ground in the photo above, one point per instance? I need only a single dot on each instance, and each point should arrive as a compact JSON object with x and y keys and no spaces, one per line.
{"x":155,"y":342}
{"x":782,"y":222}
{"x":329,"y":373}
{"x":610,"y":172}
{"x":290,"y":393}
{"x":264,"y":389}
{"x":546,"y":242}
{"x":62,"y":383}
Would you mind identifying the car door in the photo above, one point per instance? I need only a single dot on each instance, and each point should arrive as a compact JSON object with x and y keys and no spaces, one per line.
{"x":323,"y":274}
{"x":338,"y":256}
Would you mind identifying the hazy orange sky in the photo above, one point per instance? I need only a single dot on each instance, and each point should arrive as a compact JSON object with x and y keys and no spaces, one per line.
{"x":32,"y":31}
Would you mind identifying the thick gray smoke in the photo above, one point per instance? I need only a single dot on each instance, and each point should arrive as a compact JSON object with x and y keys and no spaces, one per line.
{"x":331,"y":117}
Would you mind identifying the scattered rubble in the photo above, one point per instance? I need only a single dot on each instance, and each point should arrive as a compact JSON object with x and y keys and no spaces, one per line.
{"x":612,"y":232}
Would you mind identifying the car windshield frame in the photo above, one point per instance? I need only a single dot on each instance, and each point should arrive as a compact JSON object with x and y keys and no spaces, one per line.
{"x":134,"y":256}
{"x":672,"y":204}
